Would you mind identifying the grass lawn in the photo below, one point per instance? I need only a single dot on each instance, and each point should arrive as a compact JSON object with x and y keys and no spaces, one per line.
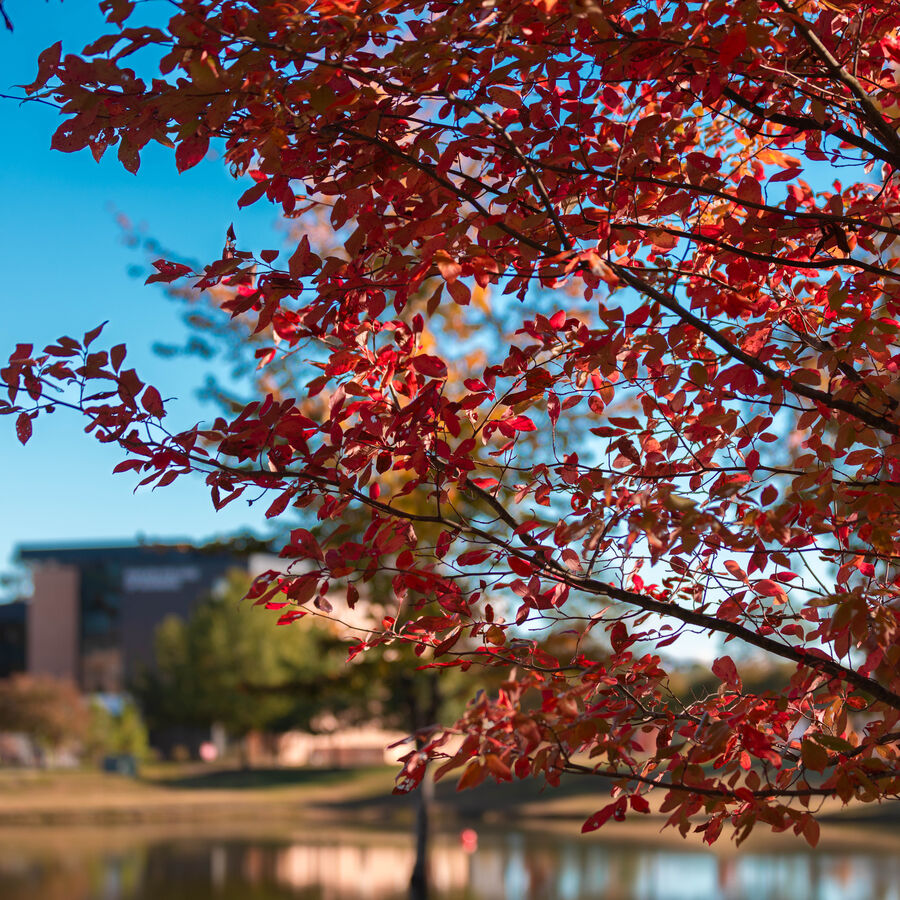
{"x":175,"y":792}
{"x":179,"y":794}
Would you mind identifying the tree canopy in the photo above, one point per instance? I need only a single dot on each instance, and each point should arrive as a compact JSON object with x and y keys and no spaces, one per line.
{"x":591,"y":311}
{"x":49,"y":711}
{"x":226,"y":665}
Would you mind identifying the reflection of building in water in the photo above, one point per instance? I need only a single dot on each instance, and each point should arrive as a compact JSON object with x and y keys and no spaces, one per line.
{"x":522,"y":870}
{"x":366,"y":871}
{"x":487,"y":868}
{"x":521,"y":867}
{"x":524,"y":867}
{"x":346,"y":866}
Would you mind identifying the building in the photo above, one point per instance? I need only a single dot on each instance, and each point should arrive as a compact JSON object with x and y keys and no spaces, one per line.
{"x":92,"y":618}
{"x":94,"y":610}
{"x":12,"y":638}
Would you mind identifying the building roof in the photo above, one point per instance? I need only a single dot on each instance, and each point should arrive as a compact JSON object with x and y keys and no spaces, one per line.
{"x":79,"y":554}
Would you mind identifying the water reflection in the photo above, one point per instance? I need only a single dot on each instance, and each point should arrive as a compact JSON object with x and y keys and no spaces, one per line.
{"x":507,"y":865}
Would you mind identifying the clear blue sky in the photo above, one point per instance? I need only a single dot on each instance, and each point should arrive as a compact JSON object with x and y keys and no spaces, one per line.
{"x":66,"y":270}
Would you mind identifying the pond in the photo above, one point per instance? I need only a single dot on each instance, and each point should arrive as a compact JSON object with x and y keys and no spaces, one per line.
{"x":324,"y":863}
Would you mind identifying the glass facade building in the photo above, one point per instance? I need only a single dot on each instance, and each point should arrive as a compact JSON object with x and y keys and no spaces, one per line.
{"x":94,"y":610}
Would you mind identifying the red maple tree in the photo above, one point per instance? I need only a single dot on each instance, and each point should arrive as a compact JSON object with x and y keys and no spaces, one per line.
{"x":609,"y":342}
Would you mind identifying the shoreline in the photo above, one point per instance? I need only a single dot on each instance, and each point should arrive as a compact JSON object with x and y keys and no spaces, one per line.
{"x":278,"y":801}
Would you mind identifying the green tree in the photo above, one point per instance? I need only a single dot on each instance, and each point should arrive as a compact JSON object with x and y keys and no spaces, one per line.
{"x":119,"y":732}
{"x":226,"y":665}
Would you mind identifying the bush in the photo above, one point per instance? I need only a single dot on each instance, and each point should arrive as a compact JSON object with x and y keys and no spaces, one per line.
{"x":50,"y":712}
{"x":116,"y":729}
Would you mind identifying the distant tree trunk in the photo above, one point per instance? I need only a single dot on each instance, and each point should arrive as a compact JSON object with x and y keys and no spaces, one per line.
{"x":247,"y":751}
{"x":421,"y":715}
{"x":418,"y":883}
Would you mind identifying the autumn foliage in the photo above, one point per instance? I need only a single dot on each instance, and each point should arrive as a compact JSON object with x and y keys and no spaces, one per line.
{"x":603,"y":336}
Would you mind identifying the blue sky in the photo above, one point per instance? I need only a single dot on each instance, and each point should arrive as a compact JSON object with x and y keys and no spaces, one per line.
{"x":66,"y":270}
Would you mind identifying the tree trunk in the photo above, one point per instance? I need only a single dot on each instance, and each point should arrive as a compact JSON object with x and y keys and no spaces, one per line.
{"x":419,"y":718}
{"x":418,"y":882}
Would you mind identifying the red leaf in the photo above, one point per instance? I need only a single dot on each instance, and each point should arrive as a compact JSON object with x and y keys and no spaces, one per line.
{"x":811,"y":830}
{"x":553,"y":407}
{"x":118,"y":11}
{"x":756,"y":338}
{"x":117,"y":356}
{"x":662,"y":240}
{"x":639,"y":803}
{"x":725,"y":669}
{"x":618,"y":636}
{"x":748,"y":189}
{"x":521,"y":423}
{"x":473,"y":557}
{"x":499,"y":769}
{"x":786,"y":174}
{"x":128,"y":155}
{"x":449,"y":268}
{"x":765,"y":587}
{"x":190,"y":151}
{"x":94,"y":333}
{"x":473,"y":776}
{"x":600,"y":818}
{"x":733,"y":46}
{"x":752,"y":461}
{"x":431,"y":366}
{"x":814,"y":755}
{"x":22,"y":351}
{"x":292,"y":616}
{"x":23,"y":427}
{"x":459,"y":292}
{"x":48,"y":61}
{"x":167,"y":479}
{"x":251,"y":195}
{"x":152,"y":402}
{"x":280,"y":504}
